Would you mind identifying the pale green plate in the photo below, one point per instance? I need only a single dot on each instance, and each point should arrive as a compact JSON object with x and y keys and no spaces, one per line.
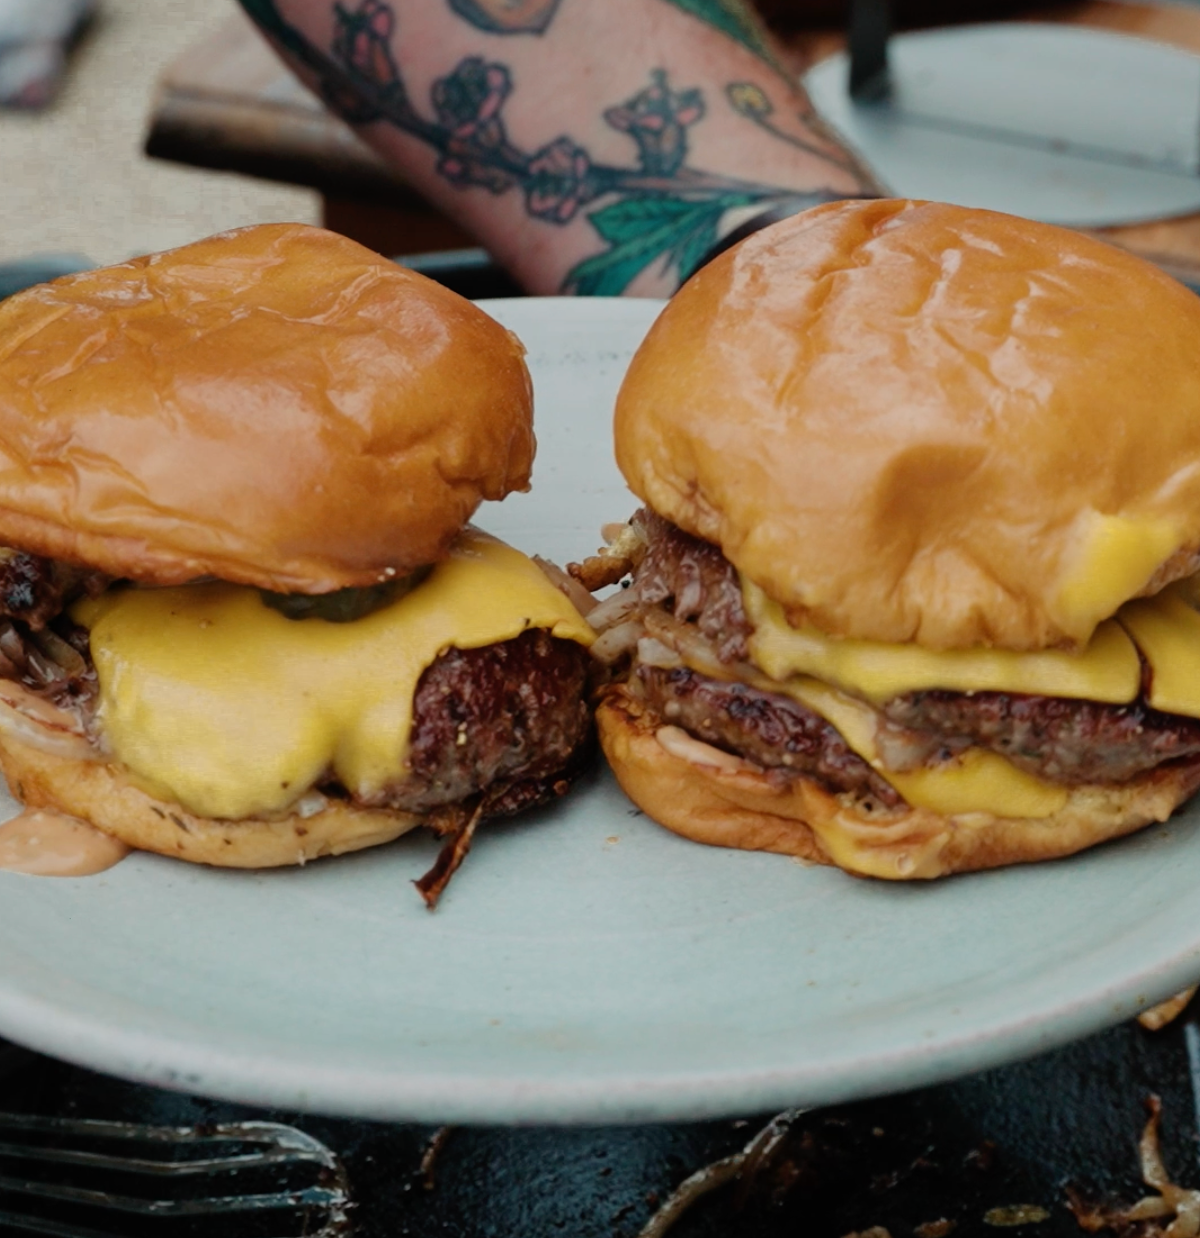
{"x":585,"y":965}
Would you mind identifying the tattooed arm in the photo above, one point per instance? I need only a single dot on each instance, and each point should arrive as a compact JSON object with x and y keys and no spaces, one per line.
{"x":594,"y":146}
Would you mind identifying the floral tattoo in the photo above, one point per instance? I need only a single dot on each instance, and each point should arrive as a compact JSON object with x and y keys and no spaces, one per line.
{"x":661,"y":211}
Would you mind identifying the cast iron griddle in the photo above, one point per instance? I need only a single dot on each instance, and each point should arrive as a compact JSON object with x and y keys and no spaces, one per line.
{"x":1009,"y":1138}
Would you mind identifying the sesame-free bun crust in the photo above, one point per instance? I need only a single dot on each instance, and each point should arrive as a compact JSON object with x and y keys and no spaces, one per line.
{"x":916,"y":422}
{"x":103,"y":795}
{"x":744,"y":809}
{"x":275,"y":406}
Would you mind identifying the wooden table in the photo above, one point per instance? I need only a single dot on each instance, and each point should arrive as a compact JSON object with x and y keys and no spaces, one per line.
{"x":228,"y":103}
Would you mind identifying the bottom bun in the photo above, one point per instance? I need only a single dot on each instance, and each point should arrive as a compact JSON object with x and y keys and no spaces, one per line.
{"x":103,"y":795}
{"x":745,"y":808}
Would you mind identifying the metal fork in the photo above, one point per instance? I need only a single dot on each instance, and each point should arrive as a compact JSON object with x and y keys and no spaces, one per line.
{"x":79,"y":1178}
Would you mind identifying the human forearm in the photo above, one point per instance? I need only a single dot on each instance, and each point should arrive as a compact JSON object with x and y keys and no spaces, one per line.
{"x":595,"y":146}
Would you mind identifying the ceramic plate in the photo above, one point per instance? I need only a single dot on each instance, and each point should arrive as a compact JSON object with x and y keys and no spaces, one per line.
{"x":585,"y":965}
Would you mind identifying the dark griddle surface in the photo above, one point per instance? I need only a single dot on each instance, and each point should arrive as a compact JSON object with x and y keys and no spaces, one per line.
{"x":1014,"y":1136}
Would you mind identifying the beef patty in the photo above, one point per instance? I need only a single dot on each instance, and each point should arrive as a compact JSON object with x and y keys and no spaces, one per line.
{"x":514,"y":711}
{"x":507,"y":718}
{"x":1072,"y":742}
{"x":1066,"y":741}
{"x":771,"y":730}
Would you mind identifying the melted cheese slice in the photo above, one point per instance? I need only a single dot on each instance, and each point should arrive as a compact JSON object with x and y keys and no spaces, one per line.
{"x":1167,"y":630}
{"x":1116,"y":556}
{"x":1106,"y":670}
{"x":977,"y":781}
{"x":212,"y":699}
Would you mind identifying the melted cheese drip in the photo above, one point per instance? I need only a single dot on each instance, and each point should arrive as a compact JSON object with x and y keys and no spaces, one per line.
{"x":1167,"y":630}
{"x":1117,"y":556}
{"x":812,"y":667}
{"x":1106,"y":670}
{"x":977,"y":781}
{"x":214,"y":700}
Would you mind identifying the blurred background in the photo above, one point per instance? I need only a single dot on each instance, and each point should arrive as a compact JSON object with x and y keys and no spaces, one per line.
{"x":191,"y":77}
{"x":73,"y":178}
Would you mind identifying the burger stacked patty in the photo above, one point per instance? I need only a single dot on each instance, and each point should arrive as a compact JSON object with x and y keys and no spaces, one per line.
{"x":772,"y":731}
{"x":508,"y":719}
{"x":1065,"y":741}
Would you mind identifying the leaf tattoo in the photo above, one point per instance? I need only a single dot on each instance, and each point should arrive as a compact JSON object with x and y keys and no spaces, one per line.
{"x":661,"y":211}
{"x":734,"y":18}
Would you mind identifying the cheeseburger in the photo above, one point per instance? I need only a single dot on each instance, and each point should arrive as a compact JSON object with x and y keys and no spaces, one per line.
{"x":914,"y":587}
{"x":245,"y":622}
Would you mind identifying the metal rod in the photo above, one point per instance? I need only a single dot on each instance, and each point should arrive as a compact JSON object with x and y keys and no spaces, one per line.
{"x":870,"y":29}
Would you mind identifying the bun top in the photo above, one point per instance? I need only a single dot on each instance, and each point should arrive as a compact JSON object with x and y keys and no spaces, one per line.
{"x":276,"y":406}
{"x":914,"y":422}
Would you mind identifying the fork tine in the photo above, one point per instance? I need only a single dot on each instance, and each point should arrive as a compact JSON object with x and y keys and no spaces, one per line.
{"x":212,"y":1205}
{"x":140,"y":1165}
{"x":298,"y":1145}
{"x":262,"y":1145}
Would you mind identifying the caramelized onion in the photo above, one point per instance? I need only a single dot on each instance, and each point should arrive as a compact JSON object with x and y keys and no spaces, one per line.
{"x":613,"y":610}
{"x":60,"y":652}
{"x":617,"y":642}
{"x":1177,"y":1203}
{"x":583,"y":601}
{"x":652,"y":652}
{"x":41,"y":667}
{"x":679,"y":743}
{"x":696,"y":650}
{"x":11,"y":644}
{"x":28,"y":719}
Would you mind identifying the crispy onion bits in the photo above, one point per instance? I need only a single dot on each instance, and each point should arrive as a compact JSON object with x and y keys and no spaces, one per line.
{"x":624,"y":549}
{"x":1173,"y":1213}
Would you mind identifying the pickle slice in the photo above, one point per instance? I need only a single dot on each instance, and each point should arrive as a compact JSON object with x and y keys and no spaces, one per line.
{"x":344,"y":605}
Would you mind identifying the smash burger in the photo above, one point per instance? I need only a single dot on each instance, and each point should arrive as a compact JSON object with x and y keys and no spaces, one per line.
{"x":245,"y":622}
{"x":915,"y":585}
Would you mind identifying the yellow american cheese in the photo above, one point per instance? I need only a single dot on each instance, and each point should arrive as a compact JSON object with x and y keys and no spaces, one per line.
{"x":837,"y":678}
{"x":977,"y":781}
{"x":1167,"y":630}
{"x":220,"y":703}
{"x":1106,"y":670}
{"x":1115,"y":558}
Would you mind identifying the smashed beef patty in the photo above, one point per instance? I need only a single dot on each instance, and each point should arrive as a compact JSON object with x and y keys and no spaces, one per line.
{"x":773,"y":731}
{"x":1065,"y":741}
{"x":511,"y":713}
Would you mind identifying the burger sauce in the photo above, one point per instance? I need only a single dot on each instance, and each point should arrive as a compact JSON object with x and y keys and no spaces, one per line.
{"x":45,"y":843}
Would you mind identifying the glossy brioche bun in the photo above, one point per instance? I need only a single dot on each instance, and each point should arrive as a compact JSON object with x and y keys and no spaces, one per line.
{"x":915,"y":422}
{"x":744,"y":809}
{"x":275,"y":406}
{"x":104,"y":796}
